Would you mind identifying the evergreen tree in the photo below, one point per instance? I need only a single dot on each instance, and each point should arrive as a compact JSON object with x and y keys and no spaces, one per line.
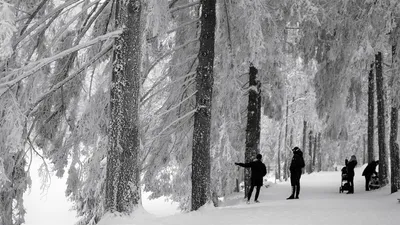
{"x":122,"y":179}
{"x":201,"y":161}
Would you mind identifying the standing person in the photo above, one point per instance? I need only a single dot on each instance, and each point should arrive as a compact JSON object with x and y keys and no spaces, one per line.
{"x":350,"y":173}
{"x":295,"y":172}
{"x":258,"y":171}
{"x":368,"y":171}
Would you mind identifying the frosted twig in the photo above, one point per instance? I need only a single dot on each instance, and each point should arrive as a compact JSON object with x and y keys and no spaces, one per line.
{"x":73,"y":75}
{"x":177,"y":105}
{"x":43,"y":62}
{"x":40,"y":22}
{"x":228,"y":26}
{"x":183,"y":25}
{"x":172,"y":10}
{"x":65,"y":27}
{"x":175,"y":121}
{"x":32,"y":15}
{"x":172,"y":3}
{"x":167,"y":54}
{"x":144,"y":100}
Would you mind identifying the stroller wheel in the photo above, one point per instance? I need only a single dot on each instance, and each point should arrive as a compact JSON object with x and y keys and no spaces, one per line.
{"x":340,"y":190}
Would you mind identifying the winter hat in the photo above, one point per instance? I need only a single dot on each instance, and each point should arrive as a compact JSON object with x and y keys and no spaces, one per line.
{"x":296,"y":149}
{"x":259,"y":156}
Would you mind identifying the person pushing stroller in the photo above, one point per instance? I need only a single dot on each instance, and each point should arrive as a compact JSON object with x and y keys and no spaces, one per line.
{"x":368,"y":172}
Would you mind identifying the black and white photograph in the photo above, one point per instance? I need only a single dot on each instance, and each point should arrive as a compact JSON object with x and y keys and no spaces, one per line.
{"x":199,"y":112}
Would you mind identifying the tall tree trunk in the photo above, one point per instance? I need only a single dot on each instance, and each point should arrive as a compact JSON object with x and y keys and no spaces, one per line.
{"x":315,"y":151}
{"x":381,"y":120}
{"x":310,"y":134}
{"x":279,"y":153}
{"x":394,"y":150}
{"x":304,"y":135}
{"x":122,"y":178}
{"x":201,"y":162}
{"x":253,"y":124}
{"x":285,"y":165}
{"x":371,"y":111}
{"x":319,"y":152}
{"x":303,"y":147}
{"x":364,"y":150}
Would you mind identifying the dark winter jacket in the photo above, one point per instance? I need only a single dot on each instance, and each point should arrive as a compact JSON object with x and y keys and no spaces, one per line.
{"x":350,"y":168}
{"x":258,"y":171}
{"x":370,"y":169}
{"x":297,"y":161}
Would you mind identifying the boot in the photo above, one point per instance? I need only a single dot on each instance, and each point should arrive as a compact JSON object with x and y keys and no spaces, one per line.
{"x":291,"y":196}
{"x":297,"y":191}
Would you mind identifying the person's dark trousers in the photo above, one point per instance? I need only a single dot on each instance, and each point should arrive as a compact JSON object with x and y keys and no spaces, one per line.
{"x":351,"y":184}
{"x":257,"y":193}
{"x":367,"y":180}
{"x":295,"y":182}
{"x":251,"y":191}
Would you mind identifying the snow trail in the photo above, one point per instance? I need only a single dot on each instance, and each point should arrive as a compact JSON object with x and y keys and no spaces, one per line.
{"x":320,"y":203}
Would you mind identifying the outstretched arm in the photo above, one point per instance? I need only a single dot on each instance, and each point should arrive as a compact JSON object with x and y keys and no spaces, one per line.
{"x":243,"y":164}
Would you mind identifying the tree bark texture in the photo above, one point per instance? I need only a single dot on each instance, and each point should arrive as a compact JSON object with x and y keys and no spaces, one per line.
{"x":285,"y":150}
{"x":310,"y":144}
{"x":394,"y":148}
{"x":364,"y":150}
{"x":279,"y":154}
{"x":381,"y":120}
{"x":253,"y":123}
{"x":303,"y":147}
{"x":371,"y":111}
{"x":315,"y":152}
{"x":122,"y":178}
{"x":304,"y":135}
{"x":394,"y":151}
{"x":201,"y":162}
{"x":319,"y":152}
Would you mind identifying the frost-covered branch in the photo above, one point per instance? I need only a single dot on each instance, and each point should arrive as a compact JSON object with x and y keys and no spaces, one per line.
{"x":183,"y":25}
{"x":143,"y":100}
{"x":41,"y":21}
{"x":69,"y":78}
{"x":171,"y":4}
{"x":151,"y":67}
{"x":172,"y":10}
{"x":177,"y":105}
{"x":174,"y":122}
{"x":31,"y":69}
{"x":228,"y":25}
{"x":41,"y":36}
{"x":32,"y":15}
{"x":61,"y":32}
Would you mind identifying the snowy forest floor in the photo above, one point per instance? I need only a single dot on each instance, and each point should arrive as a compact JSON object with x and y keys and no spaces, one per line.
{"x":320,"y":203}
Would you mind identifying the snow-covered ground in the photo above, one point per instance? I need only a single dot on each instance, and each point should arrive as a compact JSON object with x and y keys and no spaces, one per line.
{"x":320,"y":203}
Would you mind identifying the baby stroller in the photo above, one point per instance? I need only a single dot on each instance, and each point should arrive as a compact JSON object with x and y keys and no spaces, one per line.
{"x":374,"y":182}
{"x":344,"y":184}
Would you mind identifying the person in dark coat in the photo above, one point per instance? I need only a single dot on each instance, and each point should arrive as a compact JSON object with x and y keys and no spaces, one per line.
{"x":344,"y":168}
{"x":350,"y":173}
{"x":258,"y":171}
{"x":296,"y":167}
{"x":368,"y":171}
